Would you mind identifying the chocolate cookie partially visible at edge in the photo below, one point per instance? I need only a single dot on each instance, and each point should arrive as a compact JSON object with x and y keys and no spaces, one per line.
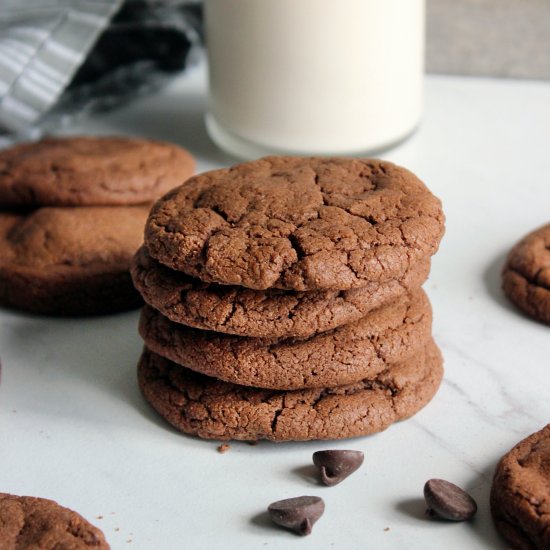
{"x":526,"y":274}
{"x":86,"y":170}
{"x":211,"y":409}
{"x":344,"y":355}
{"x":269,"y":313}
{"x":520,"y":494}
{"x":297,"y":223}
{"x":30,"y":522}
{"x":71,"y":260}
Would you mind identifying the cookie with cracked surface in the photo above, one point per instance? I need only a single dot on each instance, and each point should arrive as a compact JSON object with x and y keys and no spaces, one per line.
{"x":526,"y":274}
{"x":71,"y":260}
{"x":30,"y":523}
{"x":86,"y":170}
{"x":297,"y":224}
{"x":212,"y":409}
{"x":344,"y":355}
{"x":520,"y":494}
{"x":271,"y":313}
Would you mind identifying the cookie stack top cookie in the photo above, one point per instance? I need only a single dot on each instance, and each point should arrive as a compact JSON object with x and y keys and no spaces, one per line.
{"x":297,"y":224}
{"x":90,"y":171}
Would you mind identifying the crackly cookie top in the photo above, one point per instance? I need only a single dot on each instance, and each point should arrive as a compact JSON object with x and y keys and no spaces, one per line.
{"x":520,"y":494}
{"x":297,"y":223}
{"x":38,"y":523}
{"x":74,"y":171}
{"x":526,"y":274}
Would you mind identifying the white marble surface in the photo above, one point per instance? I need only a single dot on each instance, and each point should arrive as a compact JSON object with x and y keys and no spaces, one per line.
{"x":74,"y":428}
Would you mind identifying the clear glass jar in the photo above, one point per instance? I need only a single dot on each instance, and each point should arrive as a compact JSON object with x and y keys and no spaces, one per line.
{"x":313,"y":77}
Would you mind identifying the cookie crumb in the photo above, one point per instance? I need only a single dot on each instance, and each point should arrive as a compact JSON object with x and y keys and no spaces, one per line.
{"x":117,"y":528}
{"x":99,"y":517}
{"x":386,"y":528}
{"x":223,"y":448}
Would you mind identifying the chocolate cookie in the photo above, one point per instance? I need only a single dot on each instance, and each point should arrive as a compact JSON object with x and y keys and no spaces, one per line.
{"x":75,"y":171}
{"x":268,"y":313}
{"x":342,"y":356}
{"x":297,"y":223}
{"x":209,"y":408}
{"x":70,"y":261}
{"x":30,"y":523}
{"x":526,"y":274}
{"x":520,"y":494}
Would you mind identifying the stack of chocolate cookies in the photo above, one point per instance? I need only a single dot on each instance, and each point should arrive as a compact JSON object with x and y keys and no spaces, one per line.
{"x":72,"y":212}
{"x":284,"y":302}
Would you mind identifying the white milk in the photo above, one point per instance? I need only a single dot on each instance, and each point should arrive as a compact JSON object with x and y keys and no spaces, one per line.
{"x":313,"y":76}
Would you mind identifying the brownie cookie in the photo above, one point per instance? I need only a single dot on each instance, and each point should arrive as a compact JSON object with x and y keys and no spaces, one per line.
{"x":70,"y":261}
{"x":344,"y":355}
{"x":297,"y":224}
{"x":526,"y":274}
{"x":212,"y":409}
{"x":30,"y":523}
{"x":75,"y":171}
{"x":520,"y":494}
{"x":268,"y":313}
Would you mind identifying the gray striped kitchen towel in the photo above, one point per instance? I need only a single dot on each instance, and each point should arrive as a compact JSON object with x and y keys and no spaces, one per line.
{"x":42,"y":44}
{"x":64,"y":58}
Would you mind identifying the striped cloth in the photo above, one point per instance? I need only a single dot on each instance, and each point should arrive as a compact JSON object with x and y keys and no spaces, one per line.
{"x":42,"y":44}
{"x":60,"y":59}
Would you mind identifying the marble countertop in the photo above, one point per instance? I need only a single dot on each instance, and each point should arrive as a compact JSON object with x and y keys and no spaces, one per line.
{"x":73,"y":426}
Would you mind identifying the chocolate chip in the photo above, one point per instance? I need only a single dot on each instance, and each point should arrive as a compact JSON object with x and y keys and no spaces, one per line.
{"x":298,"y":514}
{"x":447,"y":501}
{"x":335,"y":466}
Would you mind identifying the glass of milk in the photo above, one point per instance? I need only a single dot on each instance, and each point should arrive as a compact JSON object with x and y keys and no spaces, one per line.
{"x":313,"y":77}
